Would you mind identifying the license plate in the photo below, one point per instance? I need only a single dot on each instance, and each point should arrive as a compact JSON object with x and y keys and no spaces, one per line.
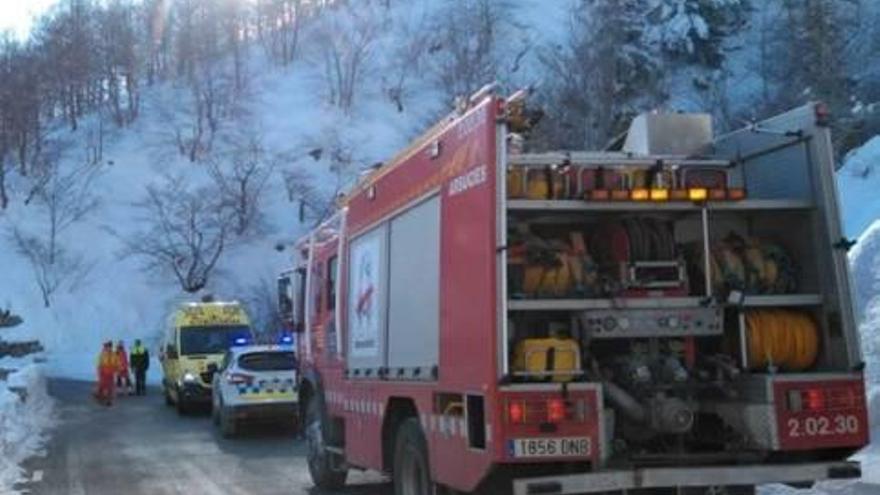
{"x":550,"y":447}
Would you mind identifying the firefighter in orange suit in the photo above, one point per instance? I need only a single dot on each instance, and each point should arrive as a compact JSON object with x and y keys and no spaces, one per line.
{"x":108,"y":367}
{"x":123,"y":378}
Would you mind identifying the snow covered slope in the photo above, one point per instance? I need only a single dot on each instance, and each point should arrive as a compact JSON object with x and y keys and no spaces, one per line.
{"x":117,"y":298}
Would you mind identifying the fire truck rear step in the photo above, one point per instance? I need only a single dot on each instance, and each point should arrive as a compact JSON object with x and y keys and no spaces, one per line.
{"x":684,"y":477}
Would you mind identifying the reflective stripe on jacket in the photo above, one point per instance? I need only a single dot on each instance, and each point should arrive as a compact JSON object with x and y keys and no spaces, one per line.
{"x":139,"y":358}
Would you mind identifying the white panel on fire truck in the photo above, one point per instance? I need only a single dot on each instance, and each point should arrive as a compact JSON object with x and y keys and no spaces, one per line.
{"x":414,"y":305}
{"x":368,"y":271}
{"x":669,"y":134}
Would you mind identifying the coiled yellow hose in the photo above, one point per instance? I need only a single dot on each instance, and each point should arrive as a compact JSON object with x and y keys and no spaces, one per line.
{"x":785,"y":339}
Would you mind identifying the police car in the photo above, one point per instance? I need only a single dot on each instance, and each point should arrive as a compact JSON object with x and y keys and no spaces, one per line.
{"x":255,"y":382}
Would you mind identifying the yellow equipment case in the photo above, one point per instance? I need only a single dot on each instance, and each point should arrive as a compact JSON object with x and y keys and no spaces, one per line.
{"x":556,"y":359}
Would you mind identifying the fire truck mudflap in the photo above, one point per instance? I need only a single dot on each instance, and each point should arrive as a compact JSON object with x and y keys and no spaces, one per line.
{"x":601,"y":481}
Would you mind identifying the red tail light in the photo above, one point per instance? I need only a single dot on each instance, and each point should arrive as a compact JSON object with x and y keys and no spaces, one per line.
{"x":239,"y":379}
{"x":814,"y":399}
{"x":555,"y":410}
{"x":516,"y":411}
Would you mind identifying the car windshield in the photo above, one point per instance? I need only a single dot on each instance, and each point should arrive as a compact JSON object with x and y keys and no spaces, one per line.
{"x":211,"y":339}
{"x":268,"y":361}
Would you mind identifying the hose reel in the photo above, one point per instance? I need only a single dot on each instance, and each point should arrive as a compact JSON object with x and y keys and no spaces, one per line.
{"x":780,"y":338}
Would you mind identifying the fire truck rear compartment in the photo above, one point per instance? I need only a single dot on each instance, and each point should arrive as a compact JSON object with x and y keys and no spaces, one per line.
{"x":689,"y":314}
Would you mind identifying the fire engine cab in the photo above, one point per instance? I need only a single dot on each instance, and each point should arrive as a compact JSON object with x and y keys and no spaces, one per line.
{"x":674,"y":313}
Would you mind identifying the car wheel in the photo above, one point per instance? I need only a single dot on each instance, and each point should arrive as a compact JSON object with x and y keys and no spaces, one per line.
{"x":321,"y":467}
{"x":228,"y":424}
{"x":215,"y":413}
{"x":412,"y":472}
{"x":168,"y":401}
{"x":182,"y":404}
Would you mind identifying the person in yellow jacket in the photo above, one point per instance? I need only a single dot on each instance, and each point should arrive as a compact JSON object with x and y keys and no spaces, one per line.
{"x":108,"y":367}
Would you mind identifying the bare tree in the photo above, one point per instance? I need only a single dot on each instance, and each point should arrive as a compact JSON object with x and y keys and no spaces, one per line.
{"x":600,"y":78}
{"x":345,"y":38}
{"x":186,"y":233}
{"x":241,"y":176}
{"x":411,"y":42}
{"x":262,"y":304}
{"x":317,"y":190}
{"x":466,"y":43}
{"x":280,"y":25}
{"x":120,"y":60}
{"x":63,"y":199}
{"x":53,"y":267}
{"x":315,"y":204}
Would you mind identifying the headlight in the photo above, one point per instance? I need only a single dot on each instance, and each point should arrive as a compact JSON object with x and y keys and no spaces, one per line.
{"x":190,"y":377}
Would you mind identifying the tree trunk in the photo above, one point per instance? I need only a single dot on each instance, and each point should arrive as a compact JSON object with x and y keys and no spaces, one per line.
{"x":4,"y":197}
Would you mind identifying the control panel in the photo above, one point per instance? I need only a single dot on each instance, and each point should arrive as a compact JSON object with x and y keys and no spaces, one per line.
{"x":618,"y":324}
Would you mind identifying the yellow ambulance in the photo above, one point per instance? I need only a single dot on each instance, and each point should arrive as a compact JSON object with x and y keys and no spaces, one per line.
{"x":197,"y":337}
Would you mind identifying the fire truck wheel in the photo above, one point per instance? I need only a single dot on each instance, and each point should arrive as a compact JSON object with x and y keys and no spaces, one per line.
{"x":412,"y":472}
{"x":321,"y":466}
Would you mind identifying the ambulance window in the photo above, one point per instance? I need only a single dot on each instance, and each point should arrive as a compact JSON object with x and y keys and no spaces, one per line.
{"x":331,"y":282}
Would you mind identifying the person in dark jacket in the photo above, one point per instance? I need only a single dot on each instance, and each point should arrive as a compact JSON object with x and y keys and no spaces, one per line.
{"x":139,"y":358}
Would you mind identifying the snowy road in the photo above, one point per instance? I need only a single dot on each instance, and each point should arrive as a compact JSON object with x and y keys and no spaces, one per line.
{"x":142,"y":447}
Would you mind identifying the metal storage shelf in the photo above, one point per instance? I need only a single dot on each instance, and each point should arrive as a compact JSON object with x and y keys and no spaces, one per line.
{"x":587,"y":304}
{"x":684,"y":206}
{"x":783,"y":300}
{"x":650,"y":303}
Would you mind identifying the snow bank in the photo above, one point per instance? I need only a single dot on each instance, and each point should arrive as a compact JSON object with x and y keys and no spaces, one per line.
{"x":864,"y":260}
{"x":858,"y":182}
{"x":26,"y":412}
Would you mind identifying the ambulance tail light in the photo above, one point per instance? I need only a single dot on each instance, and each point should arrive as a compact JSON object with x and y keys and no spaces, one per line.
{"x":239,"y":379}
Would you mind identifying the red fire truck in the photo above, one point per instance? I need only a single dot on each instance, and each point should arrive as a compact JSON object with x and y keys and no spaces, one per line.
{"x":672,"y":313}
